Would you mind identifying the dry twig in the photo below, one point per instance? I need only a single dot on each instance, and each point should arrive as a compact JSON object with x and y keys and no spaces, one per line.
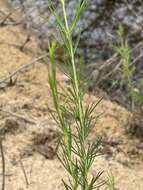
{"x":21,"y":69}
{"x":18,"y":116}
{"x":24,"y":172}
{"x":8,"y":16}
{"x":3,"y":165}
{"x":25,"y":42}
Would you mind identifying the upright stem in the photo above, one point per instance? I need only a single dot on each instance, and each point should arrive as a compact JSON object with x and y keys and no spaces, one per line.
{"x":71,"y":54}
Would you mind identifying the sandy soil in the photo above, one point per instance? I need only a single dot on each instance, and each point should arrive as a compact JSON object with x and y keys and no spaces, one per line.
{"x":30,"y":133}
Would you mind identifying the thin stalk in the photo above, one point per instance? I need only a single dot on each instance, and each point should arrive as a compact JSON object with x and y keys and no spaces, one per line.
{"x":75,"y":159}
{"x":73,"y":62}
{"x":3,"y":165}
{"x":69,"y":36}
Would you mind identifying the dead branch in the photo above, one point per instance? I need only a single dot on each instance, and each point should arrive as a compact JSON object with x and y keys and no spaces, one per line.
{"x":18,"y":116}
{"x":114,"y":70}
{"x":22,"y":69}
{"x":24,"y":172}
{"x":7,"y":174}
{"x":28,"y":39}
{"x":3,"y":165}
{"x":107,"y":63}
{"x":113,"y":60}
{"x":8,"y":16}
{"x":18,"y":45}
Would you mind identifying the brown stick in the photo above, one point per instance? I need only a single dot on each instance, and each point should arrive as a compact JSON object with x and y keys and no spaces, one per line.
{"x":8,"y":16}
{"x":3,"y":165}
{"x":19,"y":116}
{"x":22,"y":68}
{"x":24,"y":172}
{"x":25,"y":42}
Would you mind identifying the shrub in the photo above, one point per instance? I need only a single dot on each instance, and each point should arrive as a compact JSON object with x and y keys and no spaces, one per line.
{"x":74,"y":153}
{"x":122,"y":47}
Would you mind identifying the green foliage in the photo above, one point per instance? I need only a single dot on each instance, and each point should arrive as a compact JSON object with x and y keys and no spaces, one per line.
{"x":75,"y":154}
{"x":111,"y":182}
{"x":137,"y":92}
{"x":124,"y":51}
{"x":127,"y":70}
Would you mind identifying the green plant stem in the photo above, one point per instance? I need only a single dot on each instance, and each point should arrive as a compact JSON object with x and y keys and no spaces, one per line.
{"x":75,"y":158}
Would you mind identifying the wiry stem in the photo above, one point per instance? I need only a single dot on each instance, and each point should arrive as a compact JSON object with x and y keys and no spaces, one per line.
{"x":75,"y":158}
